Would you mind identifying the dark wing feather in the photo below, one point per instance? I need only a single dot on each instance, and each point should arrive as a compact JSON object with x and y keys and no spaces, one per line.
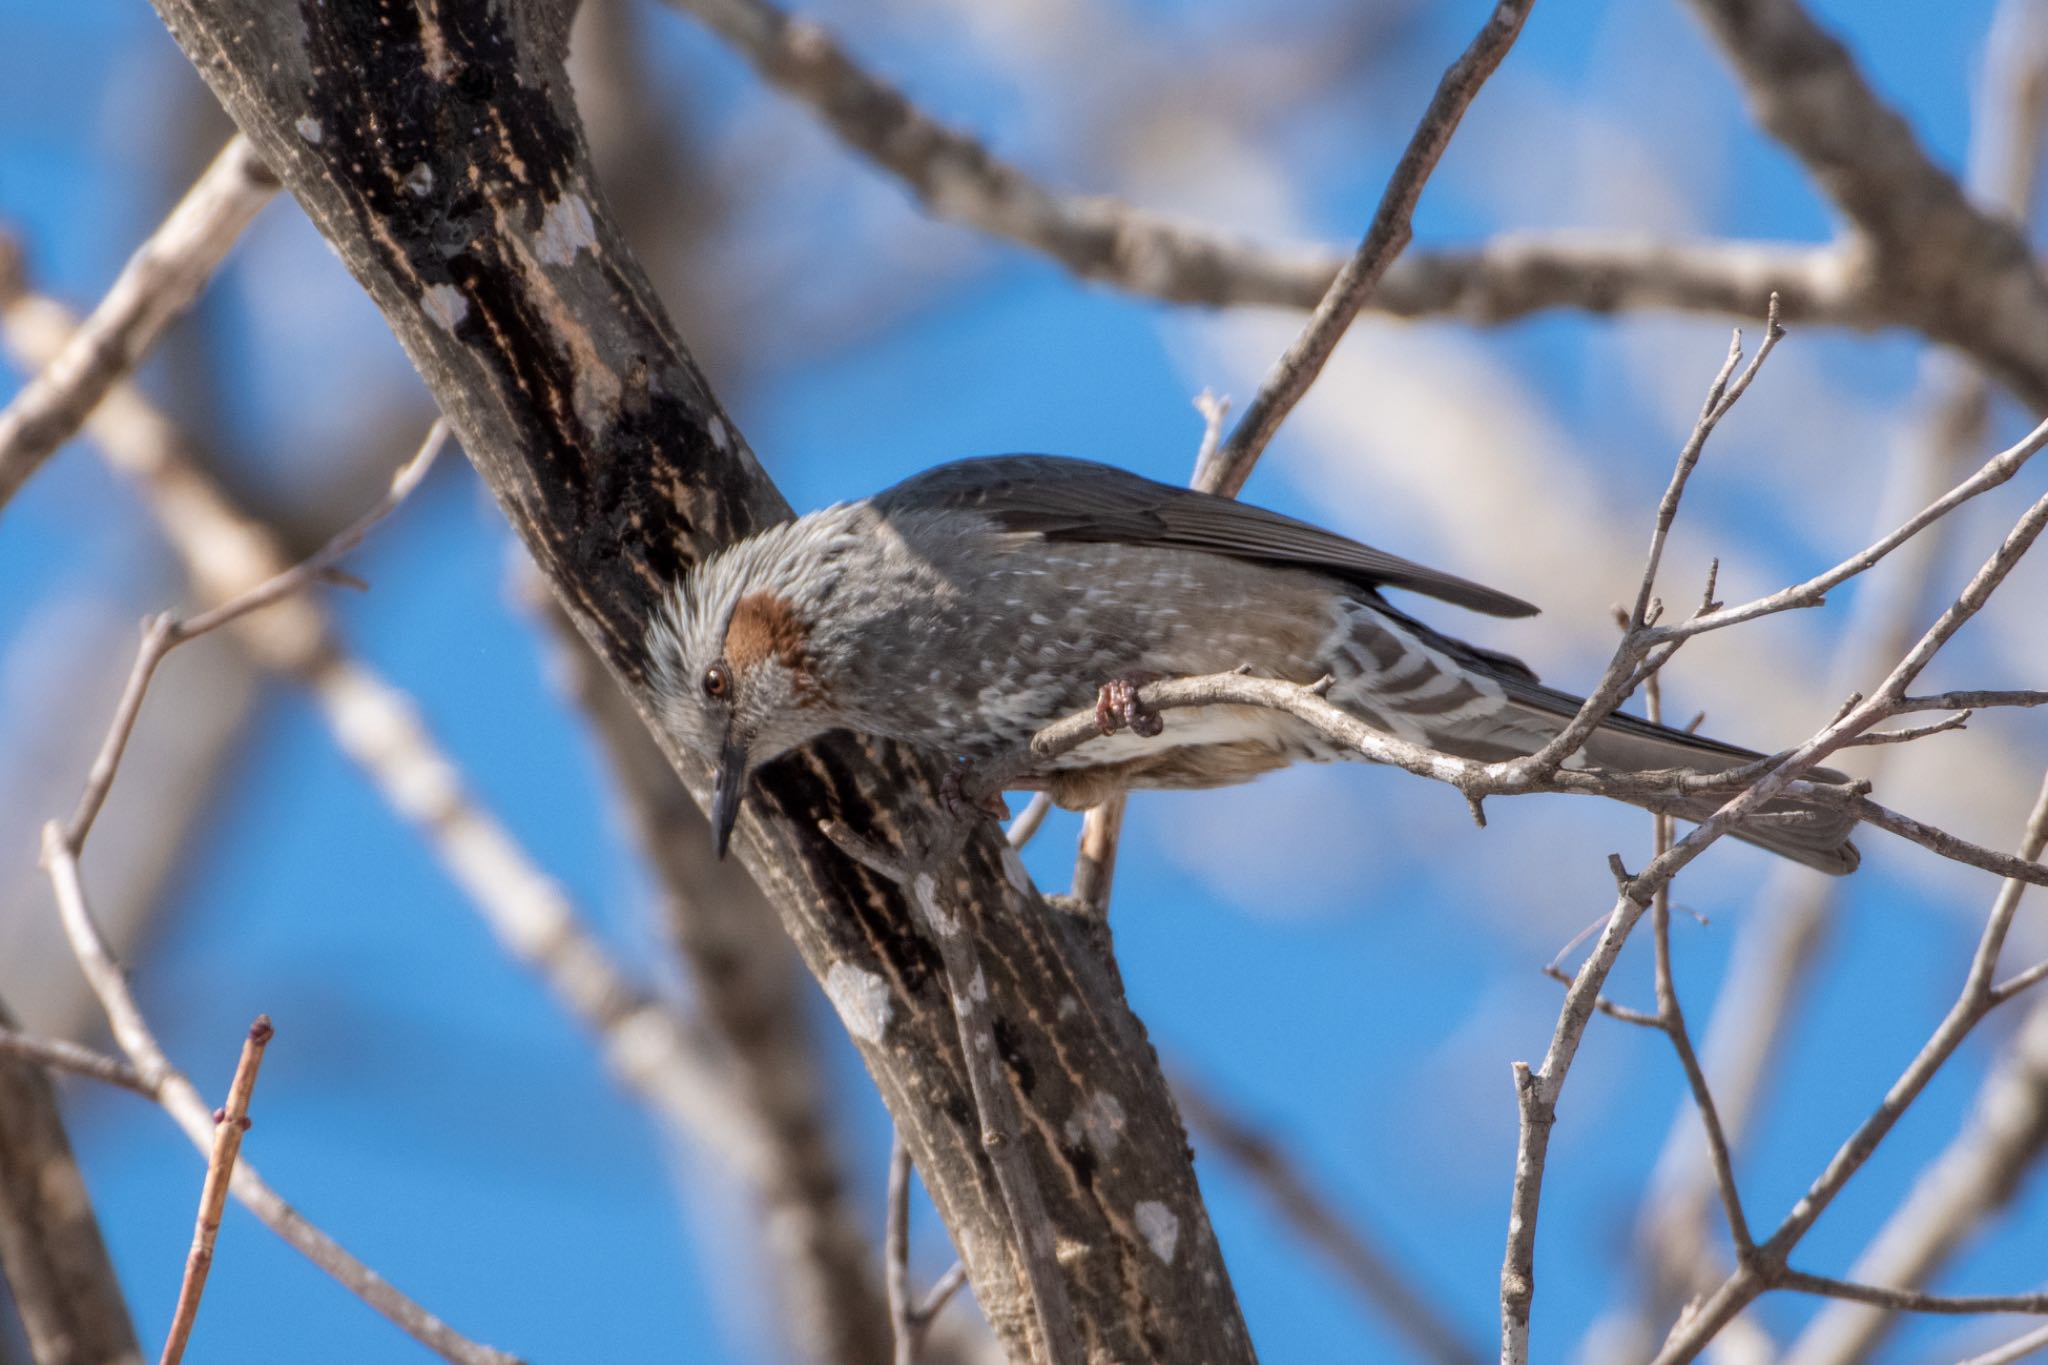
{"x":1080,"y":500}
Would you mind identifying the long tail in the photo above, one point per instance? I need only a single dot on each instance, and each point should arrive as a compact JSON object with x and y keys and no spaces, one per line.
{"x":1476,"y":704}
{"x":1813,"y":835}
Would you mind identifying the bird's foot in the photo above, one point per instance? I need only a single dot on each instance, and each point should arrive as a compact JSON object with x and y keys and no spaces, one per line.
{"x":1117,"y":706}
{"x":958,"y":790}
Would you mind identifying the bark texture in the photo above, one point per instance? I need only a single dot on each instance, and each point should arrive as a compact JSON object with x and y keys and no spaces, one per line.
{"x":55,"y":1262}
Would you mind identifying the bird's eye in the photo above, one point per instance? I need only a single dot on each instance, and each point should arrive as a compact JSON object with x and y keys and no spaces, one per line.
{"x":717,"y":682}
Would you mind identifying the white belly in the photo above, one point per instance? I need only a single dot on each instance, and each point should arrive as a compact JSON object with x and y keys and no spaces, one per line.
{"x":1189,"y":727}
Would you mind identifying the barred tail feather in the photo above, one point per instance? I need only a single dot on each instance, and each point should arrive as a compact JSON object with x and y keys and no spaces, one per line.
{"x":1419,"y":684}
{"x":1813,"y":835}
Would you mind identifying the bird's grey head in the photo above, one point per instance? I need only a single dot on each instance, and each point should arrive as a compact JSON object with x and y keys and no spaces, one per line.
{"x":735,"y":660}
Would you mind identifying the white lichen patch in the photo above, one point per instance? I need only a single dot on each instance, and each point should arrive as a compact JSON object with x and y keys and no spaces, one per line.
{"x":1158,"y":1226}
{"x":924,"y":889}
{"x":566,"y":228}
{"x":862,"y":999}
{"x":419,"y":181}
{"x":1014,"y":871}
{"x":445,"y":305}
{"x":1099,"y":1123}
{"x":720,"y":437}
{"x":309,"y":128}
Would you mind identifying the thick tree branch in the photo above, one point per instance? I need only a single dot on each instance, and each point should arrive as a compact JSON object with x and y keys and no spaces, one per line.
{"x":58,"y":1272}
{"x":1952,"y":271}
{"x":955,"y":177}
{"x":437,"y":151}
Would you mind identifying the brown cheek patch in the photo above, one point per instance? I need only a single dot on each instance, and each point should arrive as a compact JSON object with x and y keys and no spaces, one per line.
{"x":764,"y":627}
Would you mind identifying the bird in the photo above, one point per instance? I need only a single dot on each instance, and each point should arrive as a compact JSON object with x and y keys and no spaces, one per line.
{"x":968,"y":606}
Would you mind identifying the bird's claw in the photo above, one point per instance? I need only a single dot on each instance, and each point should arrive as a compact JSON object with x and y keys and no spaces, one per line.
{"x":1117,"y":707}
{"x":957,"y":792}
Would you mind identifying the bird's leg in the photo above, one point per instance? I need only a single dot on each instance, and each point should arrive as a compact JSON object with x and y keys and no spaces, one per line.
{"x":1117,"y":706}
{"x":959,"y":792}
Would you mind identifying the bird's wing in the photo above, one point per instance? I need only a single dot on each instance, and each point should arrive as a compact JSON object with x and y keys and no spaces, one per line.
{"x":1080,"y":500}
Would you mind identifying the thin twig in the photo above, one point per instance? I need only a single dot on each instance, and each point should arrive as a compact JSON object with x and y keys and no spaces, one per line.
{"x":1388,"y":234}
{"x":1908,"y":1300}
{"x":230,"y":1121}
{"x":165,"y":633}
{"x":182,"y":1101}
{"x":1621,"y":1014}
{"x":941,"y":1293}
{"x":909,"y":1322}
{"x":157,"y":284}
{"x":2019,"y":1348}
{"x":896,"y":1254}
{"x":1670,"y":1013}
{"x":60,"y":1055}
{"x":2018,"y":982}
{"x":1960,"y":720}
{"x":1027,"y":821}
{"x":1095,"y":856}
{"x":1722,"y":395}
{"x":1995,"y":471}
{"x":1759,"y":1273}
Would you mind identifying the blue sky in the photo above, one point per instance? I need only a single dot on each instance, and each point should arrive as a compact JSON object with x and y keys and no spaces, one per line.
{"x":1338,"y":953}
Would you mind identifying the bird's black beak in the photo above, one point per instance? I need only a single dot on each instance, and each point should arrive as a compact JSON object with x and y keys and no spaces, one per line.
{"x":727,"y":786}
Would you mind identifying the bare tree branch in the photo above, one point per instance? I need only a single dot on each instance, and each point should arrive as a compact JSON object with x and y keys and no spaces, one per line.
{"x":1954,"y":272}
{"x":59,"y":1274}
{"x":230,"y":1121}
{"x":1928,"y":243}
{"x":62,"y":848}
{"x":1391,"y":229}
{"x":181,"y":1100}
{"x":157,"y":285}
{"x":1781,"y":937}
{"x":1766,"y":1269}
{"x":1976,"y":1174}
{"x":2019,"y":1348}
{"x":58,"y":1054}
